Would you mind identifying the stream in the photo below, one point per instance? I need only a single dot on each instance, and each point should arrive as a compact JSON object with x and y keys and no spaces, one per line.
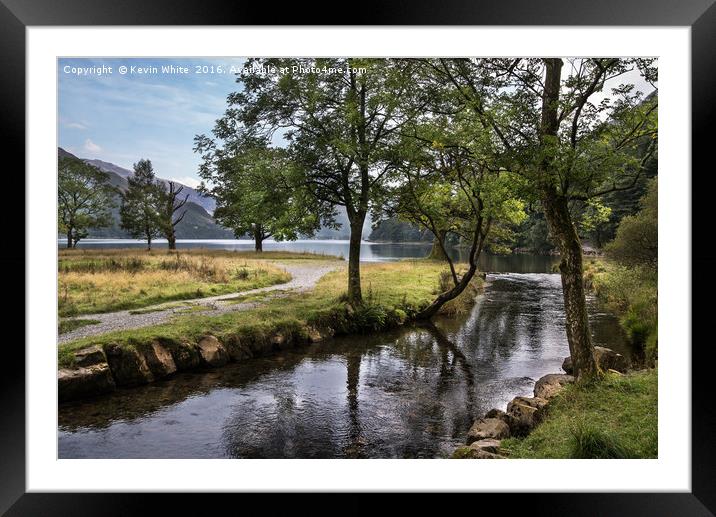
{"x":407,"y":393}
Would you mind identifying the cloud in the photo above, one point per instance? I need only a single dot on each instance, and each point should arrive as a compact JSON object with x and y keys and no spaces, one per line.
{"x":75,"y":125}
{"x":188,"y":181}
{"x":91,"y":147}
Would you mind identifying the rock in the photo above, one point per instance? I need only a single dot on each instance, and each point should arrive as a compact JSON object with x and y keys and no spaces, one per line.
{"x":159,"y":359}
{"x":488,"y":428}
{"x":186,"y":356}
{"x":488,"y":445}
{"x":84,"y":382}
{"x":90,"y":356}
{"x":236,"y":349}
{"x":280,"y":341}
{"x":551,"y":384}
{"x":526,"y":413}
{"x":129,"y":368}
{"x":608,"y":359}
{"x":314,"y":336}
{"x":212,"y":352}
{"x":476,"y":454}
{"x":495,"y":413}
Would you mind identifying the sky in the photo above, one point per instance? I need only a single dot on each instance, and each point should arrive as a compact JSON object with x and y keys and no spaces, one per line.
{"x":122,"y":118}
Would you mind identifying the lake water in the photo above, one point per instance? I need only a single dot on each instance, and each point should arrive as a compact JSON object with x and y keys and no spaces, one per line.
{"x":408,"y":393}
{"x":370,"y":251}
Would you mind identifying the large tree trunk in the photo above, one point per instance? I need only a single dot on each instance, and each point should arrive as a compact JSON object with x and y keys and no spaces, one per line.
{"x":149,"y":242}
{"x":570,"y":267}
{"x":559,"y":219}
{"x":258,"y":241}
{"x":69,"y":239}
{"x":438,"y":250}
{"x":354,"y":291}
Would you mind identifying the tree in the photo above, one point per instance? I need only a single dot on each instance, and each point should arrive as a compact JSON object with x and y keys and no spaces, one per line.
{"x":139,"y":211}
{"x":170,"y":204}
{"x":448,"y":182}
{"x":84,"y":199}
{"x":570,"y":145}
{"x":637,"y":239}
{"x":341,"y":123}
{"x":253,"y":187}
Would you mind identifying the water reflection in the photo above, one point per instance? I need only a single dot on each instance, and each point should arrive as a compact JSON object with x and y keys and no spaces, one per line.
{"x":407,"y":393}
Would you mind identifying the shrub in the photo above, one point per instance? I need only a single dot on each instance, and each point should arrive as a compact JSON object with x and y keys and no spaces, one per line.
{"x":636,"y":242}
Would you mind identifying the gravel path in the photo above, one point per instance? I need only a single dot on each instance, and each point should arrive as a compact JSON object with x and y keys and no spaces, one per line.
{"x":303,"y":278}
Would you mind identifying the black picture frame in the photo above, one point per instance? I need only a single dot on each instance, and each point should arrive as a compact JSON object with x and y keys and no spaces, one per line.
{"x":700,"y":15}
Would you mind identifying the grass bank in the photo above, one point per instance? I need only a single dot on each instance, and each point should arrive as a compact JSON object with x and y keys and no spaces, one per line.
{"x":393,"y":293}
{"x":612,"y":418}
{"x":632,"y":293}
{"x":96,"y":281}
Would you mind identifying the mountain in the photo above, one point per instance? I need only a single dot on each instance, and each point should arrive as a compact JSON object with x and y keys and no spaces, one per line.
{"x":196,"y":224}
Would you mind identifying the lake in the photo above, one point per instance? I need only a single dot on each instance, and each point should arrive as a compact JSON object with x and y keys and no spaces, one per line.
{"x":370,"y":251}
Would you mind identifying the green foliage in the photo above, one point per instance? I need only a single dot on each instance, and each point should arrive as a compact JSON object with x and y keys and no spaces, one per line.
{"x":253,"y":185}
{"x":140,"y":211}
{"x":393,"y":229}
{"x":637,"y":239}
{"x":631,"y":292}
{"x":341,"y":128}
{"x":84,"y":199}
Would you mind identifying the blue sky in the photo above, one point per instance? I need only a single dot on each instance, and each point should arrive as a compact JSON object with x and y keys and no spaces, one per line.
{"x":123,"y":118}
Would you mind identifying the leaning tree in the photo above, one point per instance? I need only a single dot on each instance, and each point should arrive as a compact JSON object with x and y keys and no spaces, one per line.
{"x":449,"y":180}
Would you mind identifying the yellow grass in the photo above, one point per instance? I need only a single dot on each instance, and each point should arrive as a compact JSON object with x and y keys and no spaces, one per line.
{"x":110,"y":280}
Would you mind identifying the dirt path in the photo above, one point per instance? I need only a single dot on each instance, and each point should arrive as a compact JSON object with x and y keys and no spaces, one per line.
{"x":303,"y":278}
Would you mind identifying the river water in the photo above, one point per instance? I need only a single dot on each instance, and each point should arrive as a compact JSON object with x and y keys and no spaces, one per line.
{"x":408,"y":393}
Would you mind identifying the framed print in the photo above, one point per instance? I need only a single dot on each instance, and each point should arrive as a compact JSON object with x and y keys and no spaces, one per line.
{"x":369,"y":257}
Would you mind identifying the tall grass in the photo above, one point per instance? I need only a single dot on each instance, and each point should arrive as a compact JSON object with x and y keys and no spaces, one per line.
{"x":105,"y":282}
{"x":631,"y":292}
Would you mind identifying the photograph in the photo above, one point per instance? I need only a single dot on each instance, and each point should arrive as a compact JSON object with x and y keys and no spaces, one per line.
{"x":353,"y":257}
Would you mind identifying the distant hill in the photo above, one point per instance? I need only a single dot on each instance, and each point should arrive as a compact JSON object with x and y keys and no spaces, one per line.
{"x":196,"y":224}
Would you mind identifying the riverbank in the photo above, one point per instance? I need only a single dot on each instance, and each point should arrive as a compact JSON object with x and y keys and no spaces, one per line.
{"x":393,"y":294}
{"x":631,"y":292}
{"x":616,"y":417}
